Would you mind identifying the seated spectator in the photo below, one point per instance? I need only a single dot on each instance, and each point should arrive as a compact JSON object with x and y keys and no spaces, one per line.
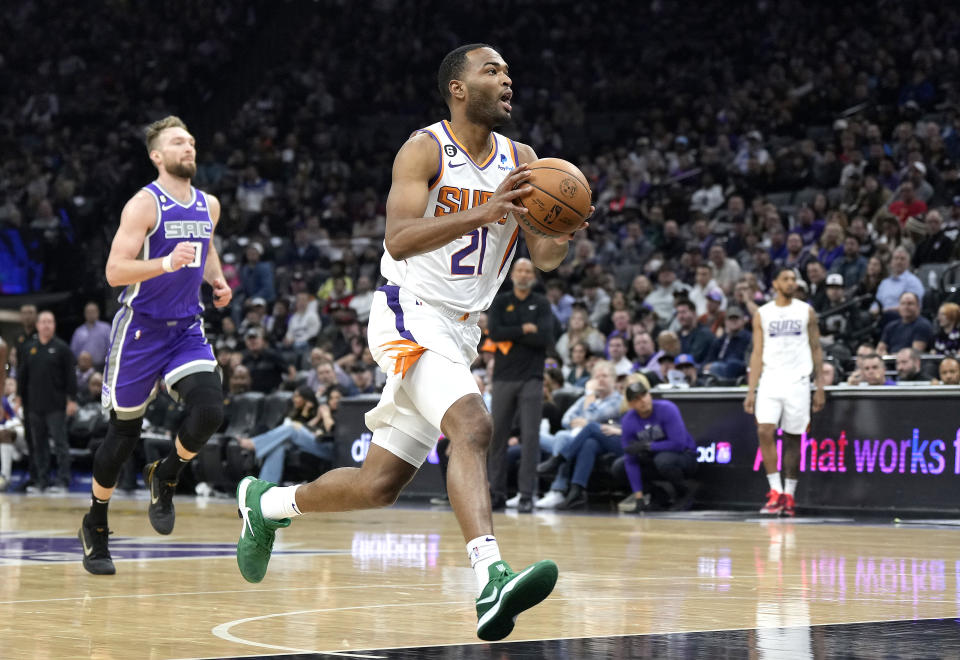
{"x":643,"y":352}
{"x":947,"y":339}
{"x":685,"y":364}
{"x":797,"y":255}
{"x":662,"y":299}
{"x":304,"y":427}
{"x":910,"y":330}
{"x":949,"y":371}
{"x":577,"y":371}
{"x":304,"y":324}
{"x":561,"y":302}
{"x":936,"y":247}
{"x":695,"y":339}
{"x":617,"y":349}
{"x":831,"y":245}
{"x":84,"y":370}
{"x":597,"y":300}
{"x":239,"y":381}
{"x":600,"y":403}
{"x":816,"y":285}
{"x":870,"y":282}
{"x":254,"y":315}
{"x":703,"y":284}
{"x":362,"y":379}
{"x":909,"y":366}
{"x":362,"y":298}
{"x":852,"y":266}
{"x":327,"y":376}
{"x":899,"y":281}
{"x":712,"y":319}
{"x":828,"y":374}
{"x":277,"y":322}
{"x":267,"y":367}
{"x":871,"y":372}
{"x":13,"y":445}
{"x":228,"y":339}
{"x":256,"y":276}
{"x":906,"y":204}
{"x":657,"y":445}
{"x":726,"y":270}
{"x":840,"y":322}
{"x":579,"y":330}
{"x":727,"y":357}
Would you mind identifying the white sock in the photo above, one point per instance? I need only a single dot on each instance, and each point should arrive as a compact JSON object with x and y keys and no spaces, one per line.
{"x":6,"y":460}
{"x":483,"y":552}
{"x":280,"y":502}
{"x":774,"y":479}
{"x":790,"y":486}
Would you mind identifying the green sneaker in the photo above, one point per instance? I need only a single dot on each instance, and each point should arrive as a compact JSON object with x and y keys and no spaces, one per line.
{"x":507,"y":594}
{"x":258,"y":533}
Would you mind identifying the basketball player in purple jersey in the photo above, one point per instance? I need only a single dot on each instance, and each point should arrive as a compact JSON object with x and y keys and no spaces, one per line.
{"x":161,"y":254}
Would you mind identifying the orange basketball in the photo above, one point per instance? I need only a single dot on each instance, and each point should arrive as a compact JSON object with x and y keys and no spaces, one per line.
{"x":560,"y":200}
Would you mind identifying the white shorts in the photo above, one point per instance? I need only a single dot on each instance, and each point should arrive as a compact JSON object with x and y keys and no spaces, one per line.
{"x":784,"y":404}
{"x":426,"y":353}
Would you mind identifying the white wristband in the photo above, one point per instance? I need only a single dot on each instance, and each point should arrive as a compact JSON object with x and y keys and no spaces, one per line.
{"x":167,"y":263}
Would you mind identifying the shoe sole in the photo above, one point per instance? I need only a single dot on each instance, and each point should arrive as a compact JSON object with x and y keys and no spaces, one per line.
{"x":159,"y":526}
{"x":512,"y":603}
{"x":111,"y":571}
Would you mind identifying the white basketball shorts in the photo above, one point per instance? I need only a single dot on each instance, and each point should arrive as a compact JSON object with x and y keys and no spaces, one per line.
{"x":426,"y":352}
{"x":784,"y":403}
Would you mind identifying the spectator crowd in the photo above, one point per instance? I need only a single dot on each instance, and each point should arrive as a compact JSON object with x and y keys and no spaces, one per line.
{"x":720,"y":144}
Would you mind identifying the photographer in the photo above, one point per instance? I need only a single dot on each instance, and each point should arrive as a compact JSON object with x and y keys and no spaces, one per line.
{"x":656,"y":443}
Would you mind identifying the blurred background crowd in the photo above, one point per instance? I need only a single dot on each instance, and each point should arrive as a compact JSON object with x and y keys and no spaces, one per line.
{"x":721,"y":141}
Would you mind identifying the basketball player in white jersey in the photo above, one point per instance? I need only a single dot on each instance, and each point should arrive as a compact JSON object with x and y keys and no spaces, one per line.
{"x":450,"y":236}
{"x":786,"y":349}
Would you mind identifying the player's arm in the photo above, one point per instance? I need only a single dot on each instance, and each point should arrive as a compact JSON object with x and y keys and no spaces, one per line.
{"x":123,"y":265}
{"x":816,"y":351}
{"x":212,"y":270}
{"x":545,"y":253}
{"x":756,"y":365}
{"x":408,"y":232}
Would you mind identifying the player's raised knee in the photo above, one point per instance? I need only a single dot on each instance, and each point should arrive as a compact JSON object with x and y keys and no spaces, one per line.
{"x":468,"y":421}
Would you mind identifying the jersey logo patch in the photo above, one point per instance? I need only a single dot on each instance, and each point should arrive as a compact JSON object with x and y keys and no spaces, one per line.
{"x":450,"y":150}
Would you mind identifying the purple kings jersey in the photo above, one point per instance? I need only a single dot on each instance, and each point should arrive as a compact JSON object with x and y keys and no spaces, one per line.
{"x":173,"y":295}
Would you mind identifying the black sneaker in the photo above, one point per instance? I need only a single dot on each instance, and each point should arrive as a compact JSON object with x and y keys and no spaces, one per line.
{"x":525,"y":505}
{"x":576,"y":498}
{"x":160,"y":510}
{"x":96,"y":555}
{"x":551,"y":465}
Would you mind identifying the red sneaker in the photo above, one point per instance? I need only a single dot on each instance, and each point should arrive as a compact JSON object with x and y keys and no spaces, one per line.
{"x":788,"y":506}
{"x":774,"y":505}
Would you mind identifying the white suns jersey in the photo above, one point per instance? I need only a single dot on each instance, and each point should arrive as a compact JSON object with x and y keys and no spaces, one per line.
{"x":465,"y":274}
{"x":786,"y":342}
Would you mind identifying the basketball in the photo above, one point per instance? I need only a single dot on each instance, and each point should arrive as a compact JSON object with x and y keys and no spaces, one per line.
{"x":560,"y":200}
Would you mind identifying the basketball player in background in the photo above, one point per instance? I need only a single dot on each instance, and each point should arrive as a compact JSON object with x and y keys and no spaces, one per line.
{"x":162,"y":253}
{"x":786,"y":349}
{"x":450,"y":236}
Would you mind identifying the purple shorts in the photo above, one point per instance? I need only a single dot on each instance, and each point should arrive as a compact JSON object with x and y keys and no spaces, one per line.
{"x":143,"y":350}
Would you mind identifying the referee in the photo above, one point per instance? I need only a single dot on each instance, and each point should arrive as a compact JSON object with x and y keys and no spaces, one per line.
{"x":521,"y":325}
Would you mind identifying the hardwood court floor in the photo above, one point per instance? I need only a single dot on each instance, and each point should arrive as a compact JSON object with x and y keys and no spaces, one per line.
{"x":399,"y":578}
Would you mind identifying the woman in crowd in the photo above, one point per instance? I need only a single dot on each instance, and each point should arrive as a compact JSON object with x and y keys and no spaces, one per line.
{"x":304,"y":427}
{"x":876,"y":271}
{"x":947,"y":340}
{"x":579,"y":329}
{"x":577,"y":371}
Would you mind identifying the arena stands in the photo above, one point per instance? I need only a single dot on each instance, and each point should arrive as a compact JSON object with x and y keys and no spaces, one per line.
{"x":736,"y":136}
